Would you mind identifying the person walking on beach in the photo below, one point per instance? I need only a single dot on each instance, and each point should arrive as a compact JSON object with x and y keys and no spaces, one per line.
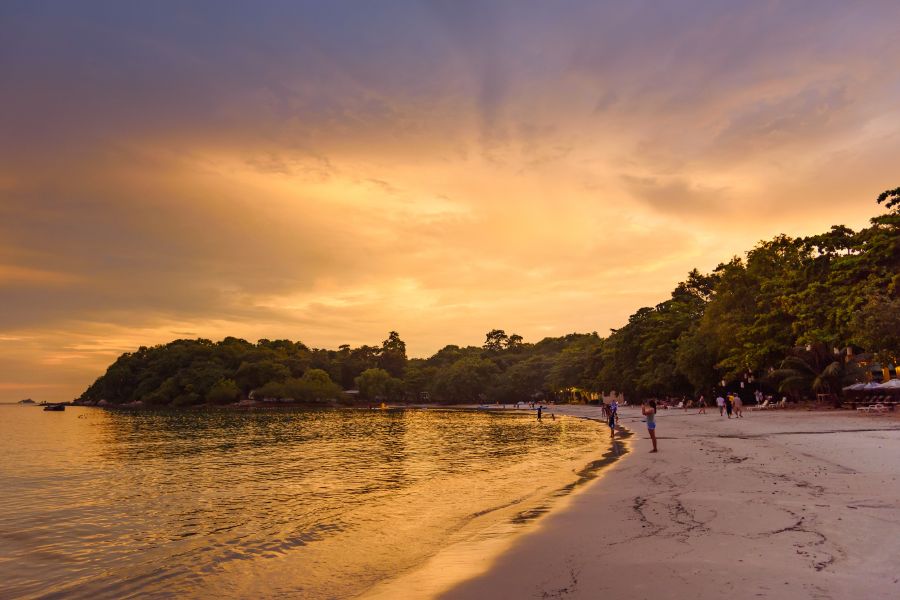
{"x":720,"y":402}
{"x":738,"y":406}
{"x":540,"y":408}
{"x":649,"y":411}
{"x":729,"y":404}
{"x":611,"y":421}
{"x":702,"y":403}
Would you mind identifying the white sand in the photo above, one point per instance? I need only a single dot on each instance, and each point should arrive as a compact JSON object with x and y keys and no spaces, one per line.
{"x":780,"y":504}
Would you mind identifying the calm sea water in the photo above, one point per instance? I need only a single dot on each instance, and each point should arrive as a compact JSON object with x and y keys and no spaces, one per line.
{"x":287,"y":503}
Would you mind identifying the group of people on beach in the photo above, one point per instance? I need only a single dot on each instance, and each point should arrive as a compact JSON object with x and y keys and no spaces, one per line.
{"x":730,"y":404}
{"x":610,"y":414}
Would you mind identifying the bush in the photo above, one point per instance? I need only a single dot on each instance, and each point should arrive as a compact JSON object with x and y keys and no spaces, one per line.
{"x":273,"y":389}
{"x":187,"y":399}
{"x":314,"y":386}
{"x":373,"y":384}
{"x":224,"y":392}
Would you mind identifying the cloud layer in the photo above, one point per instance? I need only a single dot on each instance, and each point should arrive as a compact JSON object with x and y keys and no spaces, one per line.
{"x":328,"y":172}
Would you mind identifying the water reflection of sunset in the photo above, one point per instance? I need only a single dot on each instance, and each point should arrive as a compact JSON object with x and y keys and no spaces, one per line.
{"x":261,"y":503}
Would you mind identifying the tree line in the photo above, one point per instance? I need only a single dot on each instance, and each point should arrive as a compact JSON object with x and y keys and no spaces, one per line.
{"x":796,"y":315}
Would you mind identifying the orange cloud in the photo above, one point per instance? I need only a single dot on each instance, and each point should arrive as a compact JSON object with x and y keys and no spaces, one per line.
{"x":15,"y":275}
{"x":529,"y":169}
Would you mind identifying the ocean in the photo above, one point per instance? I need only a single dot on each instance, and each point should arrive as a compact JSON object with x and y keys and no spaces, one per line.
{"x":284,"y":503}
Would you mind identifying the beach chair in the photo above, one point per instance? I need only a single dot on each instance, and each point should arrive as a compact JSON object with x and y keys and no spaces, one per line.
{"x":762,"y":406}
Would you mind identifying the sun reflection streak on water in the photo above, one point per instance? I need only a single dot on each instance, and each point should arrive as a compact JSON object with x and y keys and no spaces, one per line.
{"x":264,"y":503}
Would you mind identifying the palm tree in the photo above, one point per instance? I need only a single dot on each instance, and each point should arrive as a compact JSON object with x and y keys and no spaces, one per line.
{"x":814,"y":369}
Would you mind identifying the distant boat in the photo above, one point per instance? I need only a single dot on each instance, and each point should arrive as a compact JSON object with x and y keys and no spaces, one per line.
{"x":55,"y":407}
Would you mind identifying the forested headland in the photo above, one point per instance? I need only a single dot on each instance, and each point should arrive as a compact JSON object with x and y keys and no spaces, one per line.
{"x":798,"y":316}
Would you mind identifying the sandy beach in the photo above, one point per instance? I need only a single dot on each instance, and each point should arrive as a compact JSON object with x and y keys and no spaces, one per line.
{"x":780,"y":504}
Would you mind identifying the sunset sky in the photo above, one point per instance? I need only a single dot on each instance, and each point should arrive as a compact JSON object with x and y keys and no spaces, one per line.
{"x":331,"y":171}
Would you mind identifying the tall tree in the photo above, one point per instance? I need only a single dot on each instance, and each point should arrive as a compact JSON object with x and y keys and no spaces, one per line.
{"x":495,"y":339}
{"x":392,"y":357}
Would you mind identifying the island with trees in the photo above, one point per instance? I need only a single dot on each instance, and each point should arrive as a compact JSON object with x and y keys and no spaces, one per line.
{"x":799,"y":316}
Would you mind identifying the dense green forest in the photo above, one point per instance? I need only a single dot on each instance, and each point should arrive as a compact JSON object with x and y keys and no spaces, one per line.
{"x":795,"y":315}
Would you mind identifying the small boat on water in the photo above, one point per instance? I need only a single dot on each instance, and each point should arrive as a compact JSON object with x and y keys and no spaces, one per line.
{"x":55,"y":407}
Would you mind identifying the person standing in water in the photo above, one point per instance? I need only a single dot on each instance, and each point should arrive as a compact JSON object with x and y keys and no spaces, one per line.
{"x":649,"y":411}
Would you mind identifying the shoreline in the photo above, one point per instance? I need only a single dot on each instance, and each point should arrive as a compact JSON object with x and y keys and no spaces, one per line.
{"x":471,"y":552}
{"x":789,"y":504}
{"x":258,"y":404}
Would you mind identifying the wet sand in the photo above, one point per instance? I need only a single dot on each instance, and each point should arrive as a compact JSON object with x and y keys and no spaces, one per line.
{"x":780,"y":504}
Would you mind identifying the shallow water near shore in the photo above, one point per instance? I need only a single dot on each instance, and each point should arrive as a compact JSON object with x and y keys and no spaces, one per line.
{"x":295,"y":503}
